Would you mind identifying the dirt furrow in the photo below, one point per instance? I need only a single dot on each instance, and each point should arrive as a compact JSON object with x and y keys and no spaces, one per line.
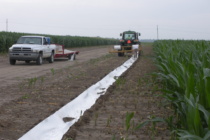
{"x":134,"y":92}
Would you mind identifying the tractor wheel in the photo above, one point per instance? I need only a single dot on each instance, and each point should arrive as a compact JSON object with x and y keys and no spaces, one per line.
{"x":120,"y":54}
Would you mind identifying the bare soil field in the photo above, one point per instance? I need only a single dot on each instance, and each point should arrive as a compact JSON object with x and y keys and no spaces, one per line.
{"x":30,"y":93}
{"x":136,"y":91}
{"x":11,"y":75}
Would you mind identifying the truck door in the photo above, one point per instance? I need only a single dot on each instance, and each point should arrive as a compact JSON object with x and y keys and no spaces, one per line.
{"x":46,"y":48}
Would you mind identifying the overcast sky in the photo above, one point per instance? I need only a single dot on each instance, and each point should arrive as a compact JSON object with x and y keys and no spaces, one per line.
{"x":176,"y":19}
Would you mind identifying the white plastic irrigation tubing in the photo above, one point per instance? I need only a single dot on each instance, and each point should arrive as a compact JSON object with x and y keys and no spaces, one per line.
{"x":53,"y":127}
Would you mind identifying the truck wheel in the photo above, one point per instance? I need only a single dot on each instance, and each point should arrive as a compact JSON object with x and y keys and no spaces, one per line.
{"x":12,"y":61}
{"x":119,"y":54}
{"x":39,"y":60}
{"x":27,"y":61}
{"x":51,"y":59}
{"x":69,"y":57}
{"x":72,"y":55}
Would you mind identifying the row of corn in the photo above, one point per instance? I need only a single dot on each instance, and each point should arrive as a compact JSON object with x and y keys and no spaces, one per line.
{"x":184,"y":68}
{"x":9,"y":38}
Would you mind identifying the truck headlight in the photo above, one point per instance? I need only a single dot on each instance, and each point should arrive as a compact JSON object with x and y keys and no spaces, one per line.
{"x":10,"y":49}
{"x":35,"y":50}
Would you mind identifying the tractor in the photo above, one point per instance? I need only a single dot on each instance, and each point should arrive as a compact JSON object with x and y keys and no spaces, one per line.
{"x":128,"y":44}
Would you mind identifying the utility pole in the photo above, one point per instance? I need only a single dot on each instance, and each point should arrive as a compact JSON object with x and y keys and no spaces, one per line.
{"x":7,"y":25}
{"x":157,"y":33}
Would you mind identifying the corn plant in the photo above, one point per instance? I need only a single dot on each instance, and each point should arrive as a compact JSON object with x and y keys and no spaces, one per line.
{"x":26,"y":96}
{"x":108,"y":121}
{"x":120,"y":81}
{"x":32,"y":81}
{"x":42,"y":79}
{"x":184,"y":68}
{"x":52,"y":71}
{"x":129,"y":116}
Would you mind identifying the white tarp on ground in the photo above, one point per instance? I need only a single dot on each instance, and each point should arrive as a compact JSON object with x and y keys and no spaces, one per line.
{"x":53,"y":127}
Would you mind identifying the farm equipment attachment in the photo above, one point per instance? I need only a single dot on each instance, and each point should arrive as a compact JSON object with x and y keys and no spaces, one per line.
{"x":60,"y":52}
{"x":129,"y":44}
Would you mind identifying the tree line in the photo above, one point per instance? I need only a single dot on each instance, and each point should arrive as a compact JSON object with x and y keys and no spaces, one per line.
{"x":7,"y":39}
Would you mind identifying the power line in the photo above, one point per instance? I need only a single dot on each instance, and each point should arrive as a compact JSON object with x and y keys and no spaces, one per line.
{"x":6,"y":25}
{"x":157,"y":33}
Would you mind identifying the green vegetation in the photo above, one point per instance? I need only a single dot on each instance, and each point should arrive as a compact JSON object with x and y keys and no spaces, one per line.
{"x":9,"y":38}
{"x":129,"y":116}
{"x":120,"y":81}
{"x":32,"y":81}
{"x":52,"y":71}
{"x":184,"y":67}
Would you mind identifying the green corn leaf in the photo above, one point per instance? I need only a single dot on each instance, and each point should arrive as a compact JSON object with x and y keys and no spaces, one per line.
{"x":157,"y":119}
{"x":207,"y":136}
{"x":129,"y":116}
{"x":206,"y":78}
{"x":206,"y":114}
{"x":185,"y":71}
{"x":141,"y":125}
{"x":185,"y":135}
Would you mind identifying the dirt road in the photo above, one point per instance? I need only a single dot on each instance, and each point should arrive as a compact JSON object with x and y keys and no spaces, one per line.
{"x":13,"y":74}
{"x":10,"y":75}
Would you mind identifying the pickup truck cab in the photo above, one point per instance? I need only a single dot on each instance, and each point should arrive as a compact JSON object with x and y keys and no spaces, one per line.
{"x":32,"y":48}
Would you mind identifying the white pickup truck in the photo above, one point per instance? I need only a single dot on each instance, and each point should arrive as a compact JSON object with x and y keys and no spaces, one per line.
{"x":32,"y":48}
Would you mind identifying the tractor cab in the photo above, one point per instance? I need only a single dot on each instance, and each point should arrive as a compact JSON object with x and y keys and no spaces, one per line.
{"x":129,"y":43}
{"x":129,"y":37}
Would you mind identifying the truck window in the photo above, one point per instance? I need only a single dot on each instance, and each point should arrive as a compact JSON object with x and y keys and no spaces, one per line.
{"x":29,"y":40}
{"x":45,"y":41}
